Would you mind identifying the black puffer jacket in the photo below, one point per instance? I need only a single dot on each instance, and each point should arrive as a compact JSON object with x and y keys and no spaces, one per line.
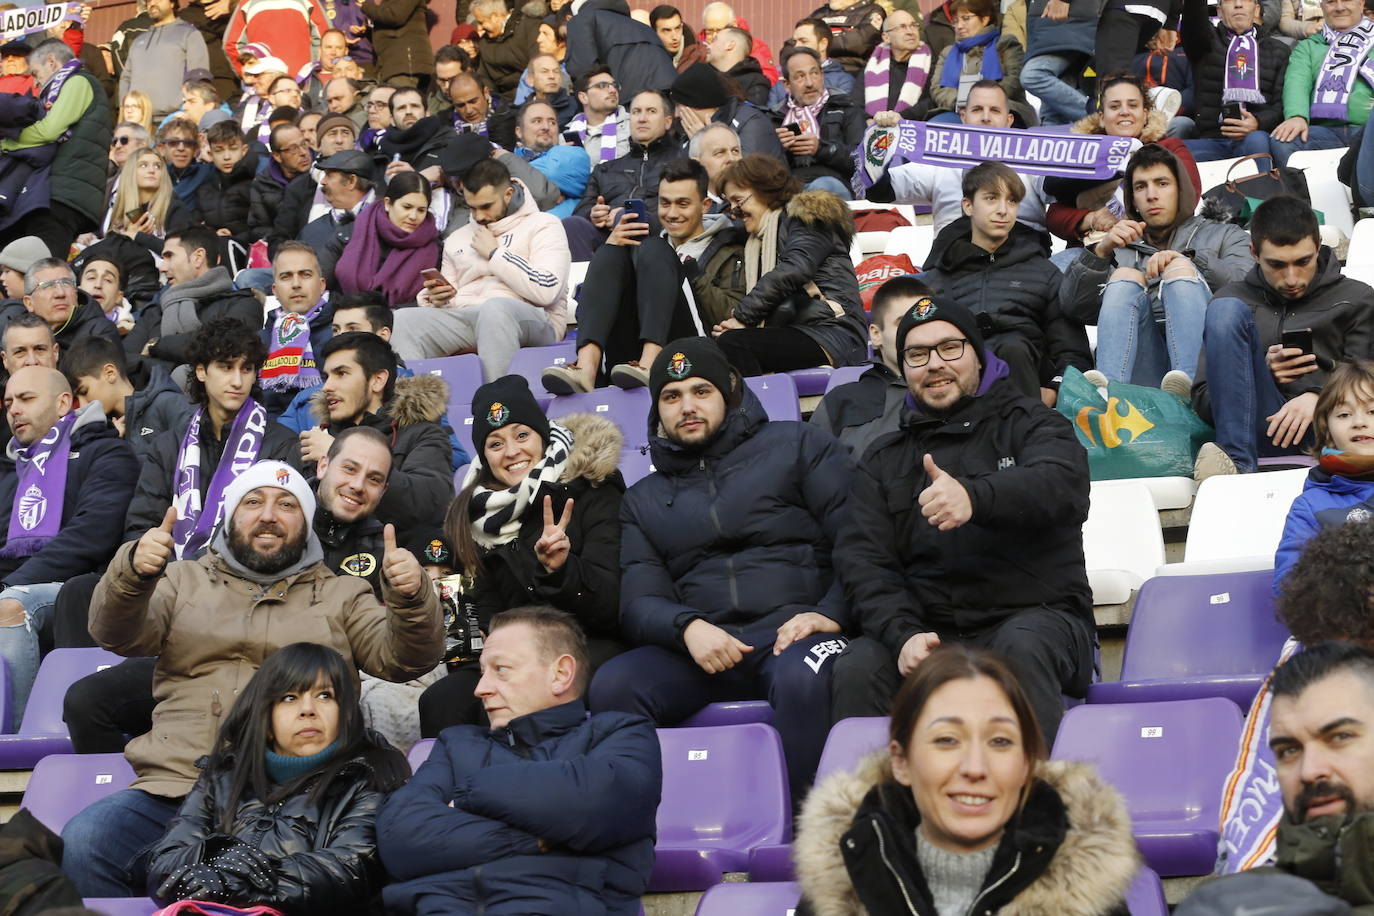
{"x":400,"y":36}
{"x":853,"y":35}
{"x":739,"y":533}
{"x":757,"y":132}
{"x":171,"y":349}
{"x":418,"y":145}
{"x":296,"y":201}
{"x":1206,"y":47}
{"x":588,"y":584}
{"x":324,"y":848}
{"x":223,"y":201}
{"x":814,"y":234}
{"x":842,"y":129}
{"x":156,"y":406}
{"x":635,"y":174}
{"x":861,"y":412}
{"x":1336,"y":308}
{"x":1027,"y":477}
{"x":352,"y":548}
{"x":265,"y":199}
{"x":748,"y":76}
{"x":502,"y":59}
{"x":87,"y":320}
{"x":1016,"y":287}
{"x":603,"y":31}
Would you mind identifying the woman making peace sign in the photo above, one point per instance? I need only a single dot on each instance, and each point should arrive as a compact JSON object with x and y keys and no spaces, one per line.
{"x":536,"y":522}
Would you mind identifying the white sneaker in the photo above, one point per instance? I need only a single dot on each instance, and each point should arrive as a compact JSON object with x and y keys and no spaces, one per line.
{"x":1177,"y":382}
{"x":1211,"y":461}
{"x":1166,"y":101}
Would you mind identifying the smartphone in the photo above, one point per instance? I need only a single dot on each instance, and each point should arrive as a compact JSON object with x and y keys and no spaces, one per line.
{"x":635,"y":211}
{"x":1298,"y":339}
{"x":136,"y":214}
{"x":1232,"y":110}
{"x":432,"y":273}
{"x":795,"y":128}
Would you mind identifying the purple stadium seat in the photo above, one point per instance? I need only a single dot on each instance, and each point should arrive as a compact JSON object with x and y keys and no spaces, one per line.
{"x":843,"y":376}
{"x":628,"y":410}
{"x":460,"y":418}
{"x":122,"y":906}
{"x":459,"y":475}
{"x":43,"y":732}
{"x":777,"y":899}
{"x":811,"y":381}
{"x":778,"y":393}
{"x":64,"y":784}
{"x":724,"y":792}
{"x":731,"y":712}
{"x":849,"y":741}
{"x":531,"y":361}
{"x":1169,"y":760}
{"x":1198,"y":636}
{"x":635,"y":465}
{"x":462,"y":372}
{"x":1145,"y":897}
{"x":419,"y":753}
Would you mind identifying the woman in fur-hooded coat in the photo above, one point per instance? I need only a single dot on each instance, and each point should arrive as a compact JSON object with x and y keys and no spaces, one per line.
{"x":1069,"y":851}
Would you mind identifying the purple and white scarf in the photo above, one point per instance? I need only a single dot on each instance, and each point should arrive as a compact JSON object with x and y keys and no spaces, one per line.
{"x":194,"y":526}
{"x":290,"y":356}
{"x":610,"y":136}
{"x":1240,"y":83}
{"x":59,"y":79}
{"x":878,"y":78}
{"x":1347,"y":59}
{"x":36,"y":515}
{"x":255,"y":114}
{"x":464,"y":127}
{"x":1092,"y":157}
{"x":807,"y":117}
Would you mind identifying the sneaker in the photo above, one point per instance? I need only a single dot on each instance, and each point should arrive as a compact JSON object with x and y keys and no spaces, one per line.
{"x":630,"y":375}
{"x":1177,"y":382}
{"x":564,"y":380}
{"x":1166,"y":101}
{"x":1095,"y":378}
{"x":1211,"y":461}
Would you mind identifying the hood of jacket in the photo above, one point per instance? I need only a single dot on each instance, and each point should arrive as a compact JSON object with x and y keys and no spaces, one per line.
{"x":821,"y":208}
{"x":1087,"y":876}
{"x":596,"y":447}
{"x":1187,"y":194}
{"x":1156,"y":126}
{"x":417,"y":399}
{"x":149,"y":380}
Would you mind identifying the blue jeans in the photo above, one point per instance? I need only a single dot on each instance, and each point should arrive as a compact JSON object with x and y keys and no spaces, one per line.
{"x":1210,"y":149}
{"x":1060,"y":103}
{"x":668,"y":686}
{"x":254,"y":278}
{"x":1064,"y":259}
{"x":833,"y":185}
{"x":106,"y":848}
{"x":1131,"y":347}
{"x":1318,"y":137}
{"x":1241,"y":390}
{"x":19,"y":643}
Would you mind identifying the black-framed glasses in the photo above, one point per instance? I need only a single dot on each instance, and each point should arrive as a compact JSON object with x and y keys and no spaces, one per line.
{"x":735,"y":208}
{"x":949,"y":351}
{"x":604,"y":85}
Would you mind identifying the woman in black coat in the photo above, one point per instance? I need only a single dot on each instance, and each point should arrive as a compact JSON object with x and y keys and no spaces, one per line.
{"x":537,"y":522}
{"x":284,"y":813}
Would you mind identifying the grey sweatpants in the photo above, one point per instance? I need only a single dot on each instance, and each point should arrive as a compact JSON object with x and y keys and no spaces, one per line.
{"x":497,"y":328}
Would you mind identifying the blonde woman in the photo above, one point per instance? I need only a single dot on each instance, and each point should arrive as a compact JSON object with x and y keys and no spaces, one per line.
{"x":144,"y":207}
{"x":137,"y":107}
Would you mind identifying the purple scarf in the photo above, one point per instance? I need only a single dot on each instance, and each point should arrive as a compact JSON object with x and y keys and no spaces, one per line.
{"x":194,"y":526}
{"x":59,"y":79}
{"x":407,"y":253}
{"x":1241,"y":80}
{"x":1347,"y":59}
{"x":36,"y":515}
{"x":609,"y":133}
{"x":878,"y":79}
{"x":954,"y":62}
{"x":290,"y":362}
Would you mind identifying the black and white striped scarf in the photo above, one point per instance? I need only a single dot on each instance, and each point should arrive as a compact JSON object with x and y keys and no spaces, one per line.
{"x":496,"y":514}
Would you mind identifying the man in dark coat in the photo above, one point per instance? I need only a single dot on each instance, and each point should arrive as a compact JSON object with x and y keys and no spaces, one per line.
{"x":51,"y":293}
{"x":602,"y":31}
{"x":996,"y":268}
{"x":701,"y":99}
{"x":653,"y":144}
{"x":518,"y":818}
{"x":818,"y":129}
{"x":290,"y":157}
{"x":966,"y":525}
{"x":728,"y":587}
{"x":730,"y":53}
{"x":856,"y":28}
{"x":400,"y":37}
{"x":507,"y":42}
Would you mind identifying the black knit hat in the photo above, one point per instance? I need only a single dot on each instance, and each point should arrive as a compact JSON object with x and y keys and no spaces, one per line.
{"x":699,"y":86}
{"x":692,"y":357}
{"x":929,"y":308}
{"x":501,"y":403}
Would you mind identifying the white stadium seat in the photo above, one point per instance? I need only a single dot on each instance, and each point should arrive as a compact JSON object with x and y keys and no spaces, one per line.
{"x":1122,"y":541}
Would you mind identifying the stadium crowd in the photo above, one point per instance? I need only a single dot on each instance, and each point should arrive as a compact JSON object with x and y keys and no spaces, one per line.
{"x":232,"y":239}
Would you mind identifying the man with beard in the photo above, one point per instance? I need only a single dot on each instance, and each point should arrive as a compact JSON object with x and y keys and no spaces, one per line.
{"x":212,"y":622}
{"x":966,"y":525}
{"x":413,"y":136}
{"x":537,"y":143}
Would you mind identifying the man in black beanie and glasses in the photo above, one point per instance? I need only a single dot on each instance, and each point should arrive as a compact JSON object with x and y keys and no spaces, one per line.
{"x":965,"y":525}
{"x":727,"y":584}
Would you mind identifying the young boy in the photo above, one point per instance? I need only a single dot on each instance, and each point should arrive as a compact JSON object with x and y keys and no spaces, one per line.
{"x":223,"y":199}
{"x":141,"y":400}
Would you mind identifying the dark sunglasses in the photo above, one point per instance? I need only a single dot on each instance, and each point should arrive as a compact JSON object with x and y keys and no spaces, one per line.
{"x":121,"y":141}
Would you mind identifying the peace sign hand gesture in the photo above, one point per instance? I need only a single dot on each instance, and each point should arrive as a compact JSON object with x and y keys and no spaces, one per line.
{"x":553,"y":545}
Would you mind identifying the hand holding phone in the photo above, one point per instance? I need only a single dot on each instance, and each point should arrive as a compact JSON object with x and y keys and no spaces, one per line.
{"x":1298,"y":339}
{"x":635,"y":211}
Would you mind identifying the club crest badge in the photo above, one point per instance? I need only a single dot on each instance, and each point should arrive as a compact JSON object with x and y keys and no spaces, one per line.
{"x":923,"y":309}
{"x":33,"y":506}
{"x":283,"y":477}
{"x":436,"y":552}
{"x":498,"y":414}
{"x":361,"y":565}
{"x":679,"y":367}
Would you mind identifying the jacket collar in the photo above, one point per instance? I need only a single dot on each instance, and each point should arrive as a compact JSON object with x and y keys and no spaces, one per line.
{"x":537,"y":727}
{"x":740,"y":424}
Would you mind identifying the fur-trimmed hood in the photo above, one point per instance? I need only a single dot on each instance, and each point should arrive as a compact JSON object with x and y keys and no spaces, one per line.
{"x":596,"y":447}
{"x":1087,"y":876}
{"x":1156,"y":126}
{"x":417,"y":399}
{"x":823,"y":207}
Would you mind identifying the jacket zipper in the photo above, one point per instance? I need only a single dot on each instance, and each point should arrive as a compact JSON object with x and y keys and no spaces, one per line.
{"x":882,"y":852}
{"x":1015,"y":864}
{"x":479,"y":893}
{"x":715,"y":520}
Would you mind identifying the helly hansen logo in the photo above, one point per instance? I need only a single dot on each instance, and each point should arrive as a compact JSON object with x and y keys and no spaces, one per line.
{"x":1007,"y":462}
{"x":823,"y":650}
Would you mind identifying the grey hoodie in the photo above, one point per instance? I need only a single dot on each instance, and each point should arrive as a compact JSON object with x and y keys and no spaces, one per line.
{"x":159,"y":60}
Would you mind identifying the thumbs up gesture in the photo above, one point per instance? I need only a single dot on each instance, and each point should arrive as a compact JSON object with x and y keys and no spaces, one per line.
{"x":403,"y":572}
{"x":156,"y":547}
{"x":944,"y":502}
{"x":553,"y":545}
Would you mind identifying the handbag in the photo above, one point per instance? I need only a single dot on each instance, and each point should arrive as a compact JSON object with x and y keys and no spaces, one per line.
{"x":1232,"y":194}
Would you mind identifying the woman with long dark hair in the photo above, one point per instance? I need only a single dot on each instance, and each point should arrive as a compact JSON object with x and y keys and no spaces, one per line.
{"x":395,"y":238}
{"x":283,"y":814}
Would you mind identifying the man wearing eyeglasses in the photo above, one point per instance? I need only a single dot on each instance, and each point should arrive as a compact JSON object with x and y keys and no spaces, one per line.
{"x":291,"y":156}
{"x":50,"y":292}
{"x":966,"y":526}
{"x":599,"y":95}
